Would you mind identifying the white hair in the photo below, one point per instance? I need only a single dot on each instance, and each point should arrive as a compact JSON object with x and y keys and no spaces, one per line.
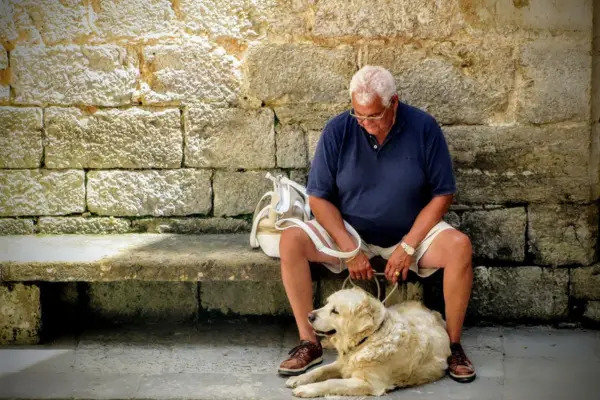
{"x":371,"y":81}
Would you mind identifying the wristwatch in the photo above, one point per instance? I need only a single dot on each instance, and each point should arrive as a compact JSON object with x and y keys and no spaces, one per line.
{"x":407,"y":248}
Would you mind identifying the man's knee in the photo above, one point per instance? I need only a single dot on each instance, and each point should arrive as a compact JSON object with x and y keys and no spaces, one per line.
{"x":292,"y":242}
{"x":459,"y":245}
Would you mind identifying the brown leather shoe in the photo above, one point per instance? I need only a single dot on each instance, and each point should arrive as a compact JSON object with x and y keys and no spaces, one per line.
{"x":460,"y":367}
{"x":302,"y":357}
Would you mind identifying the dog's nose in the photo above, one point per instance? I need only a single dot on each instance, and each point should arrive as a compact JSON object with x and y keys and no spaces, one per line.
{"x":312,"y":316}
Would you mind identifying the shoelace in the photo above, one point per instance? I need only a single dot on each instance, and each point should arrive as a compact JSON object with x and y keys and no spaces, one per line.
{"x":301,"y":348}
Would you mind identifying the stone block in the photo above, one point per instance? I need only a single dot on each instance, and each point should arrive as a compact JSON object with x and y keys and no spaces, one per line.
{"x":8,"y":29}
{"x":13,"y":226}
{"x":156,"y":193}
{"x":497,"y":234}
{"x":291,"y":147}
{"x":556,"y":84}
{"x":454,"y":219}
{"x":191,"y":225}
{"x":20,"y":137}
{"x":563,"y":234}
{"x":196,"y":71}
{"x":229,"y":138}
{"x":41,"y":192}
{"x":406,"y":291}
{"x":20,"y":314}
{"x":274,"y":71}
{"x":238,"y":193}
{"x":457,"y":83}
{"x":82,"y":225}
{"x":3,"y":58}
{"x":61,"y":75}
{"x":310,"y":117}
{"x":592,"y":311}
{"x":312,"y":139}
{"x":493,"y":165}
{"x":241,"y":20}
{"x":133,"y":19}
{"x":300,"y":176}
{"x":585,"y":282}
{"x":382,"y":18}
{"x":510,"y":15}
{"x":519,"y":294}
{"x":245,"y":298}
{"x":128,"y":301}
{"x":55,"y":21}
{"x":130,"y":138}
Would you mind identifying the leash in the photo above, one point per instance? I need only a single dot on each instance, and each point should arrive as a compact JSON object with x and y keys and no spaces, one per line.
{"x":376,"y":282}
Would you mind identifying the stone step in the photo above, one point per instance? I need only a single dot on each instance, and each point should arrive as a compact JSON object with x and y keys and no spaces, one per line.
{"x":226,"y":360}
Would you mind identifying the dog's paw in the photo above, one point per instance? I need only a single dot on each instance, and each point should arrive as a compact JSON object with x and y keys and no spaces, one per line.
{"x":305,"y":391}
{"x":292,"y":382}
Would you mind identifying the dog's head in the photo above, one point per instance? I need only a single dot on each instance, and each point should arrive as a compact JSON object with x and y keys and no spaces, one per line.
{"x":348,"y":317}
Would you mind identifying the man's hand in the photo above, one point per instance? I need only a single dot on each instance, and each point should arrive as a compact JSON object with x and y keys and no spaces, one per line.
{"x":360,"y":267}
{"x":398,"y":262}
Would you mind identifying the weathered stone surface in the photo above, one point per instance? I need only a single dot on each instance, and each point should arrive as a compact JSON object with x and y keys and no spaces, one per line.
{"x":71,"y":225}
{"x":563,"y":234}
{"x":143,"y":301}
{"x":4,"y":72}
{"x":244,"y":298}
{"x":237,"y":19}
{"x":310,"y":116}
{"x":585,"y":282}
{"x":144,"y":257}
{"x":55,"y":20}
{"x":556,"y":83}
{"x":133,"y":18}
{"x":20,"y":314}
{"x":13,"y":226}
{"x":157,"y":193}
{"x":507,"y":15}
{"x":457,"y":83}
{"x":229,"y":138}
{"x":382,"y":18}
{"x":20,"y":137}
{"x":453,"y":219}
{"x":8,"y":30}
{"x":41,"y":192}
{"x":238,"y":193}
{"x":60,"y":75}
{"x":497,"y":234}
{"x":519,"y":293}
{"x":192,"y":72}
{"x":191,"y":225}
{"x":312,"y":139}
{"x":406,"y":291}
{"x":493,"y":165}
{"x":274,"y":71}
{"x":130,"y":138}
{"x":291,"y":147}
{"x":592,"y":311}
{"x":300,"y":176}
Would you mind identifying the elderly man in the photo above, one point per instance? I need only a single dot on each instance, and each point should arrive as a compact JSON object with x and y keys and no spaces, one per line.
{"x":385,"y":168}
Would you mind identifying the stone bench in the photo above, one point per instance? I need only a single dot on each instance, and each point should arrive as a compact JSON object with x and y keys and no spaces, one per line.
{"x":53,"y":280}
{"x":141,"y":276}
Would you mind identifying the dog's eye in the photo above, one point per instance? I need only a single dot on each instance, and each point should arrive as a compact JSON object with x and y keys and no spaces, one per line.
{"x":334,"y":311}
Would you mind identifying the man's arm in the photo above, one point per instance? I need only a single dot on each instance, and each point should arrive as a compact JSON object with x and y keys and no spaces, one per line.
{"x":330,"y":218}
{"x":427,"y":218}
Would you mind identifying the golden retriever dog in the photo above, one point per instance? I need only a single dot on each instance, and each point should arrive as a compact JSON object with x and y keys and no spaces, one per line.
{"x":379,"y":349}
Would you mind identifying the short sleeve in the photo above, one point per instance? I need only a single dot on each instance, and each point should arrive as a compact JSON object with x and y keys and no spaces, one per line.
{"x":440,"y":174}
{"x":323,"y":170}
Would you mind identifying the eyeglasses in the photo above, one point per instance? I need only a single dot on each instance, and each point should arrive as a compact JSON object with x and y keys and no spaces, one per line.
{"x":370,"y":118}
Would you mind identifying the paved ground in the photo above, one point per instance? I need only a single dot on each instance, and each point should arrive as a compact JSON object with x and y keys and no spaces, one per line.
{"x":238,"y":361}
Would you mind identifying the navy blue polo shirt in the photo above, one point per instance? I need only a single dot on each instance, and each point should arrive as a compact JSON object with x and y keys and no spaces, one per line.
{"x":380,"y":190}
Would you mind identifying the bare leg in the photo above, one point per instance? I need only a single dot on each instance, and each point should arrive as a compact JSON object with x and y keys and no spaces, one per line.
{"x":452,"y":251}
{"x":296,"y":249}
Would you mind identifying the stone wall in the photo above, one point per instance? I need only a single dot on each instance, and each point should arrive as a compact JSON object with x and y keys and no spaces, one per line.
{"x":163,"y":116}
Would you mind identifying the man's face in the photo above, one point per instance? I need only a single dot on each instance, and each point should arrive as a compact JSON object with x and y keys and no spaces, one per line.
{"x":376,"y":109}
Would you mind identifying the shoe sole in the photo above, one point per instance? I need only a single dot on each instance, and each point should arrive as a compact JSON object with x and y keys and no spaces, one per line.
{"x":463,"y":378}
{"x":294,"y":372}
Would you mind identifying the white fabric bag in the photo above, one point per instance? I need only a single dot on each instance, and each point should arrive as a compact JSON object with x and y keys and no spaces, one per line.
{"x":288,"y":207}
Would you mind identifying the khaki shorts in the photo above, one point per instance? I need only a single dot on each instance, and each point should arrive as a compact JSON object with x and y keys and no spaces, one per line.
{"x":372,"y":250}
